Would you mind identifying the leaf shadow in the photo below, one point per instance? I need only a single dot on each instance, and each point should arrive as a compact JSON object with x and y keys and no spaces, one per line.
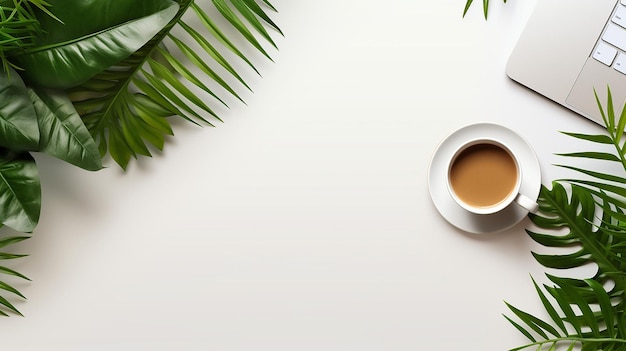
{"x":512,"y":242}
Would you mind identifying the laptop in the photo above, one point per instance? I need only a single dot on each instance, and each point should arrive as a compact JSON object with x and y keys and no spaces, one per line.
{"x":570,"y":47}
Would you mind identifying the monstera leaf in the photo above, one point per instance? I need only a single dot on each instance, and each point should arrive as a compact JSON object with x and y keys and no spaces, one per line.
{"x":90,"y":36}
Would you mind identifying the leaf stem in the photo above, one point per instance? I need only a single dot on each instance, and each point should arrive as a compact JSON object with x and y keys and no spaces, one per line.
{"x":571,"y":339}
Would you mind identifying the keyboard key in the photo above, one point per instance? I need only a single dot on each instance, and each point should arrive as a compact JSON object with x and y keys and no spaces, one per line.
{"x":615,"y":35}
{"x":620,"y":63}
{"x":620,"y":16}
{"x":604,"y":53}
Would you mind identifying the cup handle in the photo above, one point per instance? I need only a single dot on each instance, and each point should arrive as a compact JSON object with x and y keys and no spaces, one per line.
{"x":524,"y":201}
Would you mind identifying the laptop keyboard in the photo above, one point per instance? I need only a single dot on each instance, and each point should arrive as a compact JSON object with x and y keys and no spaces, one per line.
{"x":611,"y":49}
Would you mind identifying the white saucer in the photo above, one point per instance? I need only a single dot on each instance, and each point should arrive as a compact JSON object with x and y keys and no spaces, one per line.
{"x":455,"y":214}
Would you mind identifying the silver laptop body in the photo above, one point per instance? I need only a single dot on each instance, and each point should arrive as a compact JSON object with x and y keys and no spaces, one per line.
{"x":570,"y":47}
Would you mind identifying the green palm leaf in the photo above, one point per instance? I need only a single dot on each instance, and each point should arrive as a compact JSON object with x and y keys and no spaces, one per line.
{"x":234,"y":19}
{"x":468,"y":4}
{"x":615,"y":125}
{"x":9,"y":273}
{"x":124,"y":106}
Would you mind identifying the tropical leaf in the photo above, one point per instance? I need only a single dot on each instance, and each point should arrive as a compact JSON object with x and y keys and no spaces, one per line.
{"x":18,"y":122}
{"x":588,"y":242}
{"x":62,"y":132}
{"x":594,"y":155}
{"x":235,"y":20}
{"x":586,"y":220}
{"x":5,"y":272}
{"x":23,"y":114}
{"x":20,"y":191}
{"x":19,"y":27}
{"x":122,"y":82}
{"x":124,"y":107}
{"x":583,"y":312}
{"x":600,"y":139}
{"x":468,"y":4}
{"x":585,"y":329}
{"x":609,"y":183}
{"x":93,"y":36}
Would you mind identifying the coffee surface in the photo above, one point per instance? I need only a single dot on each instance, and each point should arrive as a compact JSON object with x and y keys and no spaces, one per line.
{"x":483,"y":175}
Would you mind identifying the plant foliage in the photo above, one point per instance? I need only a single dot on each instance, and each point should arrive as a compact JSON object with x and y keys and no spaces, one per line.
{"x":586,"y":218}
{"x":19,"y":27}
{"x":81,"y":79}
{"x":126,"y":104}
{"x":468,"y":4}
{"x":89,"y":37}
{"x":5,"y":303}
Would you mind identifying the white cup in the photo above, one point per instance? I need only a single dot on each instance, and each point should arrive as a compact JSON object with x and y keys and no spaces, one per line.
{"x":484,"y":177}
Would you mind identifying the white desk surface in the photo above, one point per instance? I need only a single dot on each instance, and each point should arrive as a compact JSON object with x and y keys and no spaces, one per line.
{"x":304,"y":221}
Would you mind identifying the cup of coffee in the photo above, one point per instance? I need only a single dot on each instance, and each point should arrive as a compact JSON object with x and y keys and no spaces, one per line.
{"x":484,"y":177}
